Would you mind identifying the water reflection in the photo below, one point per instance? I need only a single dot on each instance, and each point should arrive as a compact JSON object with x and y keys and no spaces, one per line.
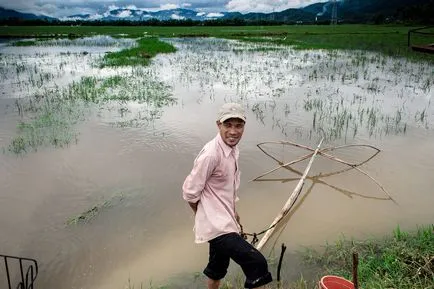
{"x":140,"y":150}
{"x":342,"y":95}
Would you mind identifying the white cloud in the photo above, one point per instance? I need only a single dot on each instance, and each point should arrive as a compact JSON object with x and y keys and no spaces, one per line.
{"x":91,"y":17}
{"x":200,"y":14}
{"x":64,"y":8}
{"x":214,"y":15}
{"x":69,"y":18}
{"x":112,"y":7}
{"x":265,"y":6}
{"x":177,"y":17}
{"x":49,"y":9}
{"x":124,"y":14}
{"x":168,"y":6}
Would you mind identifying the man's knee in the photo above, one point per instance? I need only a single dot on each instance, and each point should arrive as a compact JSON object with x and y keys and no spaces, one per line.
{"x":213,"y":284}
{"x":260,"y":261}
{"x":257,"y":271}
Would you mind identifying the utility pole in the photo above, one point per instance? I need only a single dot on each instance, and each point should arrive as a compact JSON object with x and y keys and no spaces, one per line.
{"x":334,"y":19}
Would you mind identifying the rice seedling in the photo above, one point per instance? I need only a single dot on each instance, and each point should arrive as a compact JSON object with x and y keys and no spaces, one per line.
{"x":48,"y":122}
{"x":94,"y":41}
{"x":349,"y":89}
{"x":49,"y":112}
{"x":53,"y":116}
{"x":339,"y":95}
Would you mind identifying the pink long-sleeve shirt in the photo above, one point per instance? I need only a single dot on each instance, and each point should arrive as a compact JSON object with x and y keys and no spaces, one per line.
{"x":214,"y":182}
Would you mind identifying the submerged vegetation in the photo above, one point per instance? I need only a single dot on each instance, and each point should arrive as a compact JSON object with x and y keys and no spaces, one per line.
{"x":51,"y":124}
{"x":50,"y":119}
{"x":300,"y":93}
{"x":49,"y":113}
{"x":341,"y":94}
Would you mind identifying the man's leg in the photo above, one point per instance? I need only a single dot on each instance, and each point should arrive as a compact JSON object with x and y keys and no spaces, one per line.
{"x":217,"y":265}
{"x":252,"y":262}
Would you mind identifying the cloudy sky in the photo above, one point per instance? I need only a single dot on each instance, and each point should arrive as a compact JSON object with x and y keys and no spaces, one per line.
{"x":62,"y":8}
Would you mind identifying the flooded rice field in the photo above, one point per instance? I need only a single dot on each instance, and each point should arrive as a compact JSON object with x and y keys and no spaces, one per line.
{"x":93,"y":159}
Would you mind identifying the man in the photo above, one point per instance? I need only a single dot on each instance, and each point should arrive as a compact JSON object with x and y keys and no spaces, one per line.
{"x":211,"y":191}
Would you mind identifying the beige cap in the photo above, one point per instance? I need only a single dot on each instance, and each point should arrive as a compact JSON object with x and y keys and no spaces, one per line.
{"x":231,"y":110}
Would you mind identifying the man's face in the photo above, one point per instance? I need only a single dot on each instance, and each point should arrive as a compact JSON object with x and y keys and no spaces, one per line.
{"x":231,"y":130}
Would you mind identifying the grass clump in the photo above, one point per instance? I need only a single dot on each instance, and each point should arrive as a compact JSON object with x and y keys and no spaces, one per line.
{"x":140,"y":55}
{"x":403,"y":260}
{"x":24,"y":43}
{"x":90,"y":214}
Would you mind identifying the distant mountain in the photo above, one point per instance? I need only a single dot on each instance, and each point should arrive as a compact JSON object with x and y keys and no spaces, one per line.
{"x":349,"y":11}
{"x":183,"y":14}
{"x":143,"y":15}
{"x":289,"y":15}
{"x":363,"y":10}
{"x":12,"y":14}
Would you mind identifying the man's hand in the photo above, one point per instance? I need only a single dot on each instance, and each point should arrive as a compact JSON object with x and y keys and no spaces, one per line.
{"x":237,"y":217}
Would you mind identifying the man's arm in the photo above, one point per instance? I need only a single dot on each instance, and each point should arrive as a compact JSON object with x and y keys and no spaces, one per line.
{"x":196,"y":180}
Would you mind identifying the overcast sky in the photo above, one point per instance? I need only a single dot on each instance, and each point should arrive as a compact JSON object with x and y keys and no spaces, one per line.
{"x":62,"y":8}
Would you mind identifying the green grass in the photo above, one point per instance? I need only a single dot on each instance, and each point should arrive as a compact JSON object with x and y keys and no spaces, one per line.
{"x":403,"y":260}
{"x":388,"y":39}
{"x":213,"y":31}
{"x":25,"y":43}
{"x":140,"y":55}
{"x":32,"y":42}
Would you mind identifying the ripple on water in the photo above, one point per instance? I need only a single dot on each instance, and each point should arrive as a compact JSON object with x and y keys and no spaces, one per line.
{"x":288,"y":94}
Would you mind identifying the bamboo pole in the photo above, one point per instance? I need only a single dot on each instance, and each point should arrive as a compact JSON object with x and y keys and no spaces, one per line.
{"x":289,"y":202}
{"x":283,"y":165}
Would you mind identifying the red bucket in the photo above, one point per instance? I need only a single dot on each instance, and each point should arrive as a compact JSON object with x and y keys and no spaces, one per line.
{"x":335,"y":282}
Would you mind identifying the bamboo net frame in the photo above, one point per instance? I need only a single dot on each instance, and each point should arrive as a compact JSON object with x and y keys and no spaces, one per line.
{"x":313,"y":152}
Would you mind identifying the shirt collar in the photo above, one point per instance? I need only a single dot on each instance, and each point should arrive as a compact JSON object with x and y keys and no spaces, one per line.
{"x":226,"y":149}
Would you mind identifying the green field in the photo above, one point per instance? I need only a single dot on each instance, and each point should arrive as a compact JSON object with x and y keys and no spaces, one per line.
{"x":389,"y":39}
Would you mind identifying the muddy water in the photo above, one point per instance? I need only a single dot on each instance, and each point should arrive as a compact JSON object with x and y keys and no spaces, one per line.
{"x":145,"y":234}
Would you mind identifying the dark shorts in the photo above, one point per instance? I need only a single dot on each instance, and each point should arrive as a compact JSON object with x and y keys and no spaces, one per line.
{"x":233,"y":246}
